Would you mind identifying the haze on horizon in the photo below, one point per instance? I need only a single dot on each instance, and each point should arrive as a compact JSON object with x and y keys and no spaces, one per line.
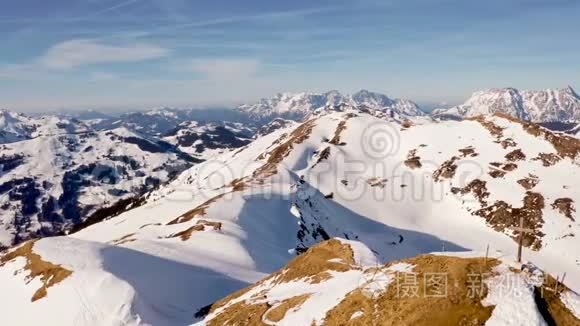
{"x":126,"y":54}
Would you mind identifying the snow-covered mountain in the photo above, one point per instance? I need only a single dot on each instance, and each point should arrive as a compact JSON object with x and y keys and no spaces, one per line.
{"x":550,"y":105}
{"x":49,"y":184}
{"x":298,"y":106}
{"x":390,"y":190}
{"x":83,"y":115}
{"x":17,"y":126}
{"x":206,"y":140}
{"x":153,"y":122}
{"x":274,"y":125}
{"x":158,"y":122}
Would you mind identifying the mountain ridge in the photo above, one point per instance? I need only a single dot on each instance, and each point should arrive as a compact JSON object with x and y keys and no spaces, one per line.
{"x":296,"y":106}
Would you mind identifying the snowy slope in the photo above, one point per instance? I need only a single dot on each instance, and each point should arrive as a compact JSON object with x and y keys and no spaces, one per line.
{"x":297,"y":106}
{"x":50,"y":183}
{"x":550,"y":105}
{"x":393,"y":187}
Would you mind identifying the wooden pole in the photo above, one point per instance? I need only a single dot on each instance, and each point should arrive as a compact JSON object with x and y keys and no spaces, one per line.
{"x":521,"y":239}
{"x":521,"y":231}
{"x":563,"y":278}
{"x":558,"y":281}
{"x":486,"y":254}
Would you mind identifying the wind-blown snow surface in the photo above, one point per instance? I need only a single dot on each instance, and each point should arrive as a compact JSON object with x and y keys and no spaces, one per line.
{"x":550,"y":105}
{"x":227,"y":223}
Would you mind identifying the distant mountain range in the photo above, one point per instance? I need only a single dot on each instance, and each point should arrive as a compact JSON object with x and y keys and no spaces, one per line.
{"x":550,"y":105}
{"x":297,"y":106}
{"x":157,"y":122}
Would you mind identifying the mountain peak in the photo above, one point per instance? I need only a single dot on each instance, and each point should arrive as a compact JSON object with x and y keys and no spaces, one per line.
{"x":366,"y":92}
{"x":495,"y":90}
{"x":363,"y":92}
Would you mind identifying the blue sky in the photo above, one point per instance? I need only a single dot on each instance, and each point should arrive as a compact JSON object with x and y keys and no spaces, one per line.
{"x":119,"y":54}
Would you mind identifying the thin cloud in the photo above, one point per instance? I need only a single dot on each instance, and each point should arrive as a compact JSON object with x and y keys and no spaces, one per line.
{"x":91,"y":15}
{"x":257,"y":17}
{"x":73,"y":53}
{"x":76,"y":53}
{"x":262,"y":17}
{"x":116,"y":7}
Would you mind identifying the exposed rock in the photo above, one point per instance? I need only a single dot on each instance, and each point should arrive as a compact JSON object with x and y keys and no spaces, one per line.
{"x":477,"y":187}
{"x":468,"y":151}
{"x":548,"y":159}
{"x":49,"y":273}
{"x":495,"y":173}
{"x":565,"y":145}
{"x":529,"y":182}
{"x":413,"y":161}
{"x":502,"y":216}
{"x":323,"y":155}
{"x":515,"y":155}
{"x":200,"y":225}
{"x":196,"y":212}
{"x":341,"y":127}
{"x":495,"y":130}
{"x":565,"y":206}
{"x":508,"y":142}
{"x":446,"y":170}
